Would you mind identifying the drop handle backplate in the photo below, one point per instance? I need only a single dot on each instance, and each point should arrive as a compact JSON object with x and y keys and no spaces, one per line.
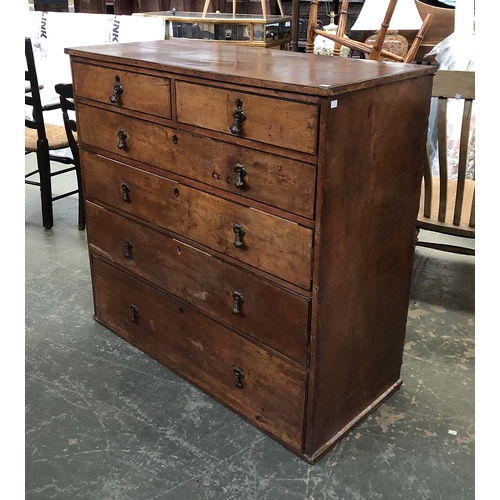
{"x":134,"y":312}
{"x":239,"y":232}
{"x":239,"y":118}
{"x":239,"y":375}
{"x":238,"y":300}
{"x":125,"y":191}
{"x":122,"y":137}
{"x":240,"y":172}
{"x":128,"y":249}
{"x":117,"y":91}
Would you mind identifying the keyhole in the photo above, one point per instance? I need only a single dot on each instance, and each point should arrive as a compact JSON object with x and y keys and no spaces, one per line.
{"x":179,"y":250}
{"x":176,"y":192}
{"x":181,"y":311}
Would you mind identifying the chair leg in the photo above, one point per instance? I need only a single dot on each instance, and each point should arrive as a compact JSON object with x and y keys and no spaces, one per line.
{"x":81,"y":202}
{"x":43,"y":161}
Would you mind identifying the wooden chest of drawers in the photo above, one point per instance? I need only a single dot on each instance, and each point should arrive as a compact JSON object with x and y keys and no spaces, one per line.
{"x":251,"y":219}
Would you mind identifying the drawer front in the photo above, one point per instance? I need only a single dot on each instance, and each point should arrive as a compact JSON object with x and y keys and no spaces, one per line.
{"x":275,"y":180}
{"x":282,"y":123}
{"x":275,"y":245}
{"x":136,"y":92}
{"x":272,"y":392}
{"x":268,"y":313}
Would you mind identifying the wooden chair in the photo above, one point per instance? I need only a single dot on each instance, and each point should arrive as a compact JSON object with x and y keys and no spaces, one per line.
{"x":65,"y":91}
{"x":374,"y":51}
{"x":448,"y":204}
{"x":42,"y":138}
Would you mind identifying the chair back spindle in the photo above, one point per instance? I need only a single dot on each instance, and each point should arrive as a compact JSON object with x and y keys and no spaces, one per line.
{"x":448,"y":200}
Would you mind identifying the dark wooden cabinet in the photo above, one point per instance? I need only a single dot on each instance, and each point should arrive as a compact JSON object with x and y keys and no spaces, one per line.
{"x":251,"y":220}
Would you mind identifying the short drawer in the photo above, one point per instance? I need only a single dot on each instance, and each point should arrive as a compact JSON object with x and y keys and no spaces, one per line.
{"x":273,"y":244}
{"x":274,"y":316}
{"x":134,"y":91}
{"x":266,"y":390}
{"x":283,"y":123}
{"x":275,"y":180}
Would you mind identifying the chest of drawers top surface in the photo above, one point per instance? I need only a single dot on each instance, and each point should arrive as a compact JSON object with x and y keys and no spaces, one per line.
{"x":274,"y":69}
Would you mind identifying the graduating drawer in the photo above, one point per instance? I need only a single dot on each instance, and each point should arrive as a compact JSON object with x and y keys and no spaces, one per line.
{"x":265,"y":389}
{"x":276,"y":180}
{"x":276,"y":317}
{"x":123,"y":89}
{"x":273,"y":244}
{"x":283,"y":123}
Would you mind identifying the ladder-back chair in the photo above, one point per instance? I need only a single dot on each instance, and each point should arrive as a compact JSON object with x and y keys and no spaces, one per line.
{"x":41,"y":138}
{"x":448,"y":200}
{"x":65,"y":92}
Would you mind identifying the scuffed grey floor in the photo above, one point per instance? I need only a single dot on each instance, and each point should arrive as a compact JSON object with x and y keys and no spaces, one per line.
{"x":106,"y":422}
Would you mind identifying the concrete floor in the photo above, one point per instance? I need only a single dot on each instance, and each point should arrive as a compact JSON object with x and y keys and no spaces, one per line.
{"x":104,"y":421}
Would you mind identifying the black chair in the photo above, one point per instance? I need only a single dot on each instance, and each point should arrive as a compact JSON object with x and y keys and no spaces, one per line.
{"x":41,"y":138}
{"x":65,"y":91}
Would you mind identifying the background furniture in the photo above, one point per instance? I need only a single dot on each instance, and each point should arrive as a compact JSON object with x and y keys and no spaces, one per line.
{"x":90,"y":6}
{"x":441,"y":27}
{"x":448,"y":199}
{"x":51,"y":6}
{"x":241,"y":29}
{"x":374,"y":51}
{"x":42,"y":138}
{"x":299,"y":10}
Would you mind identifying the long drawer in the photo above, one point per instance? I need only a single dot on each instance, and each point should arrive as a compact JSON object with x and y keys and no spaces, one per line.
{"x":123,"y":89}
{"x":265,"y":389}
{"x":274,"y":316}
{"x":272,"y":244}
{"x":275,"y":180}
{"x":288,"y":124}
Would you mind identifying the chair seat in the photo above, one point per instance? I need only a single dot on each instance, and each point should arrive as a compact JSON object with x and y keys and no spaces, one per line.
{"x":447,"y":226}
{"x":56,"y":135}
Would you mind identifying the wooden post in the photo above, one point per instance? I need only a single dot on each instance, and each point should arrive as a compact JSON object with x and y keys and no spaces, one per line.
{"x":379,"y":41}
{"x":341,"y":26}
{"x":312,"y":26}
{"x":412,"y":51}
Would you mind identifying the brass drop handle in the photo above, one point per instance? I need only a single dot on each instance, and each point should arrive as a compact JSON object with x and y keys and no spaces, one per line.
{"x":240,"y":172}
{"x":239,"y":375}
{"x":238,"y":300}
{"x":117,"y":91}
{"x":122,"y":137}
{"x":128,"y":249}
{"x":134,"y":312}
{"x":239,"y":118}
{"x":125,"y":191}
{"x":239,"y":232}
